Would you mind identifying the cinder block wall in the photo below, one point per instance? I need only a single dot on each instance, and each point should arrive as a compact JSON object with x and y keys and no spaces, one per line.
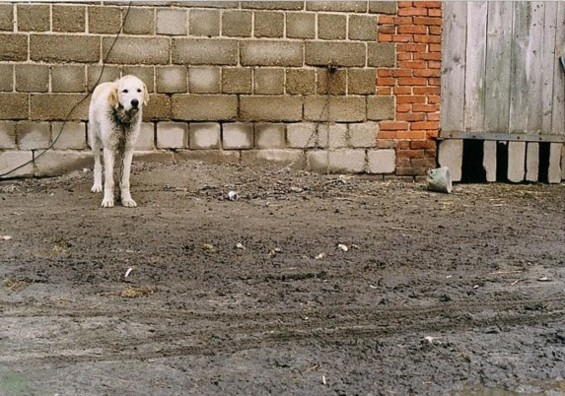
{"x":293,"y":82}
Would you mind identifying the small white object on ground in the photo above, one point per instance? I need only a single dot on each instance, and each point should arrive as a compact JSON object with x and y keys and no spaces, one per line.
{"x":343,"y":247}
{"x":233,"y":196}
{"x":5,"y":237}
{"x":128,"y":272}
{"x":240,"y":246}
{"x":320,"y":256}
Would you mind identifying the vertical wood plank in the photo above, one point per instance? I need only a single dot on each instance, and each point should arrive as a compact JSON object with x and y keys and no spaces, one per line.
{"x":534,"y":69}
{"x":554,"y":171}
{"x":453,"y":69}
{"x":489,"y":160}
{"x":450,"y":154}
{"x":516,"y":161}
{"x":532,"y":162}
{"x":548,"y":64}
{"x":498,"y":61}
{"x":558,"y":105}
{"x":475,"y":65}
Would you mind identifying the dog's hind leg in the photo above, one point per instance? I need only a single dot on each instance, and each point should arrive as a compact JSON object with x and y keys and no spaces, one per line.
{"x":108,"y":200}
{"x":125,"y":195}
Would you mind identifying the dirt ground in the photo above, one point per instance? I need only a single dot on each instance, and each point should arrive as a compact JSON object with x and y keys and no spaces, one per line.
{"x":306,"y":285}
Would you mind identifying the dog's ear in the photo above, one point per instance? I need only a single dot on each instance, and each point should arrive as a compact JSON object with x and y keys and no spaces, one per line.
{"x":113,"y":97}
{"x":145,"y":95}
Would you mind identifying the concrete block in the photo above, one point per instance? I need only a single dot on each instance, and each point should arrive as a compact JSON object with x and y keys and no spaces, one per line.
{"x":54,"y":107}
{"x":62,"y":48}
{"x":450,"y":154}
{"x":272,"y":53}
{"x":516,"y":161}
{"x":68,"y":78}
{"x":205,"y":107}
{"x":268,"y":81}
{"x":71,"y":135}
{"x":334,"y":82}
{"x":363,"y":134}
{"x":172,"y":135}
{"x":171,"y":22}
{"x":154,"y":156}
{"x":337,"y":6}
{"x":6,"y":17}
{"x":204,"y":23}
{"x":382,"y":7}
{"x":285,"y":157}
{"x":269,"y":24}
{"x":362,"y":27}
{"x":381,"y":161}
{"x":300,"y":82}
{"x":563,"y":162}
{"x":205,"y":51}
{"x":361,"y":81}
{"x":104,"y":19}
{"x":7,"y":135}
{"x":97,"y":74}
{"x":137,"y":50}
{"x":554,"y":171}
{"x":302,"y":135}
{"x":237,"y":80}
{"x":140,"y":21}
{"x":12,"y":159}
{"x":33,"y":18}
{"x":236,"y":23}
{"x":273,"y":5}
{"x":380,"y":108}
{"x":69,"y":18}
{"x":336,"y":161}
{"x":146,"y":139}
{"x":204,"y":79}
{"x":301,"y":25}
{"x":13,"y":47}
{"x":489,"y":160}
{"x":56,"y":163}
{"x":271,"y":108}
{"x":332,"y":136}
{"x":33,"y":135}
{"x":205,"y":135}
{"x":215,"y":156}
{"x":532,"y":161}
{"x":270,"y":135}
{"x":332,"y":26}
{"x":335,"y":53}
{"x":335,"y":108}
{"x":237,"y":135}
{"x":158,"y":108}
{"x":6,"y":78}
{"x":13,"y":106}
{"x":171,"y":79}
{"x":381,"y":54}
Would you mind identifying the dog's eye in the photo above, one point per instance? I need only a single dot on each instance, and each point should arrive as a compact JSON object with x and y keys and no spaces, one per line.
{"x":138,"y":90}
{"x":125,"y":91}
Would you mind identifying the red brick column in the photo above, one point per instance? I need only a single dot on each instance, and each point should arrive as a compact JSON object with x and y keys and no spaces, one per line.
{"x":414,"y":82}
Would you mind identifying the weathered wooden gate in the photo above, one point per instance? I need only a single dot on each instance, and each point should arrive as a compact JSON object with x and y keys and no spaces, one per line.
{"x":503,"y":90}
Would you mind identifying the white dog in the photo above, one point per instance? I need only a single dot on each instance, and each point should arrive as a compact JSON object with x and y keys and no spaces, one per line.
{"x":114,"y":119}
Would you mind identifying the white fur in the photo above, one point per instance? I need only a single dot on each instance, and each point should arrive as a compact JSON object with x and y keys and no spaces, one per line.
{"x":113,"y":127}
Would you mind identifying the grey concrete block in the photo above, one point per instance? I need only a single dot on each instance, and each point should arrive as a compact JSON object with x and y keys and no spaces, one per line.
{"x":12,"y":159}
{"x":269,"y":24}
{"x":302,"y":135}
{"x":335,"y":108}
{"x":450,"y":154}
{"x":204,"y":79}
{"x":236,"y":23}
{"x":335,"y":53}
{"x":286,"y":157}
{"x":337,"y":161}
{"x":71,"y":135}
{"x":7,"y":135}
{"x":215,"y":156}
{"x":146,"y":139}
{"x":205,"y":107}
{"x":205,"y":51}
{"x":381,"y":54}
{"x":171,"y":79}
{"x":56,"y":163}
{"x":363,"y":134}
{"x":204,"y":23}
{"x":171,"y":22}
{"x":137,"y":50}
{"x":268,"y":81}
{"x":33,"y":135}
{"x":270,"y":135}
{"x":380,"y":108}
{"x":204,"y":135}
{"x":272,"y":53}
{"x":172,"y":135}
{"x":381,"y":161}
{"x":237,"y":135}
{"x":237,"y":80}
{"x":332,"y":26}
{"x":332,"y":135}
{"x":362,"y":27}
{"x":300,"y":25}
{"x":14,"y":106}
{"x":6,"y":78}
{"x":68,"y":78}
{"x":32,"y":78}
{"x":271,"y":108}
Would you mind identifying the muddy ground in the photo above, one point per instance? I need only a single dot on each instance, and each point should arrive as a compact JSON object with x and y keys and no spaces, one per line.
{"x":436,"y":294}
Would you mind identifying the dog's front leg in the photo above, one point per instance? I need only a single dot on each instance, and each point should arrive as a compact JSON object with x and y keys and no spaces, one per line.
{"x":125,"y":195}
{"x":108,"y":200}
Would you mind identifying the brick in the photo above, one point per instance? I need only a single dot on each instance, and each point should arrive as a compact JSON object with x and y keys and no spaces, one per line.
{"x":332,"y":135}
{"x":6,"y":78}
{"x":237,"y":135}
{"x":146,"y":139}
{"x":70,"y":136}
{"x":171,"y":22}
{"x":204,"y":107}
{"x":363,"y":134}
{"x":268,"y":81}
{"x":6,"y":17}
{"x":144,"y":73}
{"x":269,"y":24}
{"x":158,"y":108}
{"x":271,"y":53}
{"x":205,"y":51}
{"x":69,"y":18}
{"x":338,"y":109}
{"x":271,"y":108}
{"x":53,"y":107}
{"x":382,"y":7}
{"x":236,"y":23}
{"x":270,"y":135}
{"x":13,"y":47}
{"x":412,"y":11}
{"x":33,"y":135}
{"x":204,"y":79}
{"x":68,"y":78}
{"x":300,"y":25}
{"x":7,"y":135}
{"x":64,"y":48}
{"x":172,"y":135}
{"x":171,"y":79}
{"x":136,"y":50}
{"x":332,"y":26}
{"x":33,"y":18}
{"x":300,"y":81}
{"x":302,"y":135}
{"x":337,"y":161}
{"x":324,"y":53}
{"x":338,"y":6}
{"x":96,"y":75}
{"x":204,"y":23}
{"x":380,"y":55}
{"x":13,"y":106}
{"x":362,"y":27}
{"x":237,"y":80}
{"x":204,"y":135}
{"x":32,"y":78}
{"x":273,"y":5}
{"x":104,"y":19}
{"x":361,"y":81}
{"x":140,"y":21}
{"x":394,"y":126}
{"x":332,"y":81}
{"x":381,"y":161}
{"x":60,"y":162}
{"x":284,"y":157}
{"x":12,"y":159}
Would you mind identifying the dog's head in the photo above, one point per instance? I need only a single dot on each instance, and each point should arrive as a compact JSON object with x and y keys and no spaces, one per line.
{"x":128,"y":93}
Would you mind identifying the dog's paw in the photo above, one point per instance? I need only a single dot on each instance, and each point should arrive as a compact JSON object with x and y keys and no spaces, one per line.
{"x":107,"y":203}
{"x":96,"y":188}
{"x":129,"y":203}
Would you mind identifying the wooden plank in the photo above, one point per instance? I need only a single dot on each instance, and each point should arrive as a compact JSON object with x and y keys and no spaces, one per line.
{"x":498,"y":62}
{"x":489,"y":160}
{"x":516,"y":161}
{"x":548,"y":64}
{"x":475,"y":65}
{"x":558,"y":109}
{"x":534,"y":65}
{"x":450,"y":154}
{"x":554,"y":171}
{"x":532,"y":162}
{"x":453,"y":69}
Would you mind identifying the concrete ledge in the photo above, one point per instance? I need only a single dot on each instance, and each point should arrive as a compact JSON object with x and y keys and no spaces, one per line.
{"x":338,"y":161}
{"x":295,"y":158}
{"x":59,"y":162}
{"x":208,"y":155}
{"x":11,"y":159}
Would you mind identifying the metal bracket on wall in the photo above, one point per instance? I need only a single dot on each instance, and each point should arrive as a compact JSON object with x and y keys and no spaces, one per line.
{"x":500,"y":136}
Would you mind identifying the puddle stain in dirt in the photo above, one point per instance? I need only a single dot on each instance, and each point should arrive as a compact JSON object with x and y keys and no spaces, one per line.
{"x":12,"y":383}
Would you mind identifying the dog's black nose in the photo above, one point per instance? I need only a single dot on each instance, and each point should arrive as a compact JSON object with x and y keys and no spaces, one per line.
{"x":135,"y":103}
